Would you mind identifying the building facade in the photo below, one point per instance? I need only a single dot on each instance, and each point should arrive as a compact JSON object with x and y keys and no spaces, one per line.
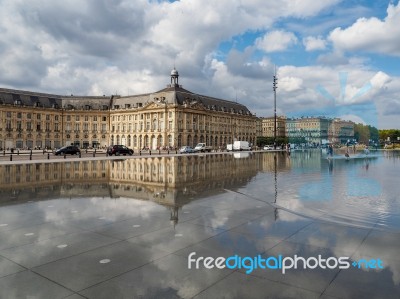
{"x":319,"y":130}
{"x":341,"y":131}
{"x":268,"y":126}
{"x":171,"y":117}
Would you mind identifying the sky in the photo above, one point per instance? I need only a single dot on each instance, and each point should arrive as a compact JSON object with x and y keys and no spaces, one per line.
{"x":332,"y":58}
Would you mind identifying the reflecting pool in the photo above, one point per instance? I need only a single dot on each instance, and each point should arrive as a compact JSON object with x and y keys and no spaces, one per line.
{"x":125,"y":228}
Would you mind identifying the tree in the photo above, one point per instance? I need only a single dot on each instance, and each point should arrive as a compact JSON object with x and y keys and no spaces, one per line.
{"x":365,"y":133}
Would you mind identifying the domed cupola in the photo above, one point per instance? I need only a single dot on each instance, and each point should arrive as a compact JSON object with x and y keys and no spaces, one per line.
{"x":174,"y":77}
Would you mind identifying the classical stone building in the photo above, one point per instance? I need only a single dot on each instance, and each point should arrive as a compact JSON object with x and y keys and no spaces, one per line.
{"x":317,"y":130}
{"x":37,"y":120}
{"x":175,"y":116}
{"x":341,"y":131}
{"x":268,"y":126}
{"x":171,"y":117}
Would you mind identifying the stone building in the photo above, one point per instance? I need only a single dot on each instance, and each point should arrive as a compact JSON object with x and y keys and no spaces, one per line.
{"x":313,"y":129}
{"x":37,"y":120}
{"x":317,"y":130}
{"x":268,"y":126}
{"x":175,"y":116}
{"x":341,"y":131}
{"x":171,"y":117}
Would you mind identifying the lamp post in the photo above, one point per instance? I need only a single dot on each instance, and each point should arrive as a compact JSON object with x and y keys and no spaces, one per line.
{"x":274,"y":87}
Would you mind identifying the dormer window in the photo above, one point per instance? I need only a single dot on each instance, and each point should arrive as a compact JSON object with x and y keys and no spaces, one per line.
{"x":17,"y":102}
{"x":116,"y":106}
{"x":140,"y":105}
{"x":37,"y":104}
{"x":88,"y":107}
{"x":127,"y":106}
{"x":105,"y":107}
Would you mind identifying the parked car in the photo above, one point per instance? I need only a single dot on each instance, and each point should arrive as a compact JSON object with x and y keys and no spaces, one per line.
{"x":268,"y":147}
{"x":202,"y":147}
{"x":68,"y":150}
{"x":186,"y":150}
{"x":119,"y":150}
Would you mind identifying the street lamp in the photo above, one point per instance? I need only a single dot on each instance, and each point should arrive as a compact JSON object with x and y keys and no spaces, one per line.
{"x":274,"y":87}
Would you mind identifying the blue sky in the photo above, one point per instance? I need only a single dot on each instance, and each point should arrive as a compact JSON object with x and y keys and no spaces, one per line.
{"x":226,"y":49}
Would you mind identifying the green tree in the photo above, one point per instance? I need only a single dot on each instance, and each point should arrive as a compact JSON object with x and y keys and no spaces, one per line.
{"x":365,"y":133}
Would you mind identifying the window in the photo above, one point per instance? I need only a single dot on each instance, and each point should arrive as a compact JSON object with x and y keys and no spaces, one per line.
{"x":56,"y":117}
{"x":19,"y":115}
{"x":86,"y":118}
{"x":29,"y":116}
{"x":77,"y":118}
{"x":94,"y":118}
{"x":104,"y":118}
{"x":47,"y":117}
{"x":68,"y":117}
{"x":38,"y":116}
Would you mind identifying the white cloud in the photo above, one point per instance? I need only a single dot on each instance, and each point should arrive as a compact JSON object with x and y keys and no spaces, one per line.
{"x":380,"y":80}
{"x":103,"y":47}
{"x":277,"y":40}
{"x":290,"y":83}
{"x":371,"y":34}
{"x":312,"y":43}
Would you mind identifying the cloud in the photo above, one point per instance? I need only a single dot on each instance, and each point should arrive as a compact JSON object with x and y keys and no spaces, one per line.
{"x":392,"y":108}
{"x":290,"y":83}
{"x":312,"y":43}
{"x":275,"y":41}
{"x":97,"y":47}
{"x":333,"y":58}
{"x":371,"y":34}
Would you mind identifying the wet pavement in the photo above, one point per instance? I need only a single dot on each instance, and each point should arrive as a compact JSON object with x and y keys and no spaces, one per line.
{"x":125,"y":229}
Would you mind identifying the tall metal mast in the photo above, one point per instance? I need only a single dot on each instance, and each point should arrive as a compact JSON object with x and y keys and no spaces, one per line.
{"x":274,"y":86}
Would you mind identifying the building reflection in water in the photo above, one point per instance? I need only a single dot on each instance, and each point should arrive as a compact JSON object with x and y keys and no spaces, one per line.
{"x":168,"y":181}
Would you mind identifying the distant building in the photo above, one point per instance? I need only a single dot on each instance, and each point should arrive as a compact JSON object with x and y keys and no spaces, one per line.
{"x":316,"y":130}
{"x":170,"y":117}
{"x":268,"y":126}
{"x":341,"y":131}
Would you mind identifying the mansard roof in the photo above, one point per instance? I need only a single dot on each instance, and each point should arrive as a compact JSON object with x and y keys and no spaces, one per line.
{"x":176,"y":95}
{"x":35,"y":99}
